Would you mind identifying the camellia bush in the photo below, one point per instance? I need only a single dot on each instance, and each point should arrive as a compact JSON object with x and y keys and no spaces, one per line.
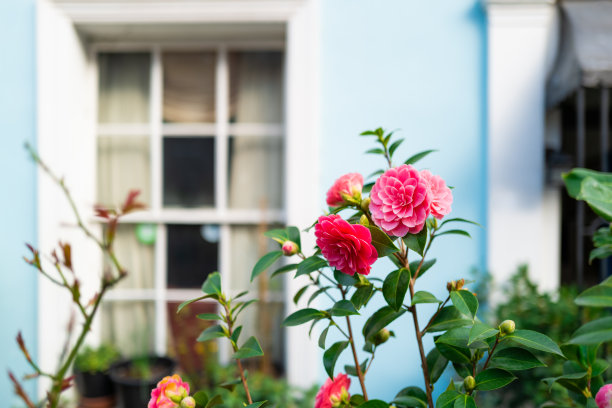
{"x":405,"y":213}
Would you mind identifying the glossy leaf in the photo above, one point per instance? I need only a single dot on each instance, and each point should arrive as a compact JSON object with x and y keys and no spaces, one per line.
{"x":331,"y":356}
{"x":236,"y":334}
{"x":575,"y":382}
{"x":316,"y":294}
{"x":256,"y":404}
{"x":424,"y":267}
{"x":309,"y":265}
{"x":214,"y":401}
{"x":411,"y":397}
{"x":251,"y":348}
{"x":283,"y":269}
{"x":481,"y":331}
{"x":394,"y":146}
{"x":278,"y":235}
{"x":190,"y":301}
{"x":211,"y":332}
{"x":381,"y":241}
{"x":343,"y":308}
{"x":535,"y":340}
{"x":379,"y":320}
{"x":302,"y":316}
{"x":465,"y":302}
{"x":362,"y":295}
{"x":449,"y":220}
{"x":447,"y":399}
{"x":465,"y":401}
{"x":515,"y":358}
{"x":454,"y":232}
{"x":436,"y":364}
{"x":351,"y":370}
{"x":374,"y":404}
{"x":417,"y":242}
{"x":208,"y":316}
{"x":455,"y":337}
{"x":415,"y":158}
{"x":424,"y":297}
{"x":322,"y":337}
{"x":294,"y":235}
{"x":265,"y":262}
{"x":448,"y":318}
{"x":595,"y":332}
{"x":299,"y":293}
{"x":597,"y":296}
{"x":455,"y":354}
{"x":345,"y":279}
{"x":212,"y":284}
{"x":493,"y":378}
{"x":395,"y":287}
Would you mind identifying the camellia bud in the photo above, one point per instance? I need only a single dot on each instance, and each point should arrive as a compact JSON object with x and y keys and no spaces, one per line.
{"x":364,"y":220}
{"x":507,"y":327}
{"x":290,"y":248}
{"x":381,"y":337}
{"x":365,"y":205}
{"x":469,"y":383}
{"x":450,"y":286}
{"x":460,"y":284}
{"x":188,"y":402}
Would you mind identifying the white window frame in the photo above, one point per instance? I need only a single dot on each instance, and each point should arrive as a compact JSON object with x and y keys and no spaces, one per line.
{"x":67,"y":138}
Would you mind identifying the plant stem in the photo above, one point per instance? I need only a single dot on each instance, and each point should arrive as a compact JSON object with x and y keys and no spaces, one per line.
{"x":491,"y":352}
{"x":230,"y":329}
{"x":434,"y":316}
{"x":357,"y":365}
{"x":419,"y":339}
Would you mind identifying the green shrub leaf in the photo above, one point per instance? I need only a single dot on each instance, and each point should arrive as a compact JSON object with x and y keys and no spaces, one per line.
{"x":465,"y":302}
{"x":302,"y":316}
{"x":379,"y":320}
{"x":515,"y":358}
{"x":493,"y":378}
{"x":535,"y":340}
{"x":597,"y":296}
{"x":395,"y":287}
{"x":415,"y":158}
{"x":309,"y":265}
{"x":250,"y":348}
{"x":436,"y":363}
{"x":343,"y":308}
{"x":448,"y":318}
{"x":265,"y":262}
{"x":212,"y":284}
{"x":417,"y":242}
{"x":481,"y":331}
{"x":212,"y":332}
{"x":331,"y":356}
{"x":381,"y":241}
{"x":447,"y":399}
{"x":424,"y":297}
{"x":595,"y":332}
{"x":465,"y":401}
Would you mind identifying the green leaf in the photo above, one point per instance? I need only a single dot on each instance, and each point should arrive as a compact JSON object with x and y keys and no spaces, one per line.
{"x":265,"y":262}
{"x":447,"y":399}
{"x":201,"y":398}
{"x":236,"y":334}
{"x":515,"y":358}
{"x":424,"y":267}
{"x":351,"y":370}
{"x":294,"y":235}
{"x":362,"y":295}
{"x":597,"y":296}
{"x":190,"y":301}
{"x":591,"y":403}
{"x":395,"y":287}
{"x":299,"y":293}
{"x":379,"y":320}
{"x":493,"y":378}
{"x":455,"y":354}
{"x":322,"y":337}
{"x":208,"y":316}
{"x":454,"y":232}
{"x":448,"y":318}
{"x":459,"y":220}
{"x":212,"y":332}
{"x":256,"y":404}
{"x":374,"y":404}
{"x":231,"y":385}
{"x":250,"y":348}
{"x":415,"y":158}
{"x":316,"y":293}
{"x":214,"y":401}
{"x":343,"y":308}
{"x":600,"y":253}
{"x":573,"y":179}
{"x":302,"y":316}
{"x":279,"y":235}
{"x":417,"y":242}
{"x":535,"y":340}
{"x":575,"y":382}
{"x":598,"y":196}
{"x":283,"y":269}
{"x":465,"y":302}
{"x":481,"y":331}
{"x":310,"y":264}
{"x":376,"y":150}
{"x":331,"y":356}
{"x":599,"y":367}
{"x":424,"y":297}
{"x":595,"y":332}
{"x":345,"y":279}
{"x":465,"y":401}
{"x":212,"y":284}
{"x":245,"y":305}
{"x":408,"y":401}
{"x":381,"y":241}
{"x":436,"y":363}
{"x":457,"y":337}
{"x":394,"y":146}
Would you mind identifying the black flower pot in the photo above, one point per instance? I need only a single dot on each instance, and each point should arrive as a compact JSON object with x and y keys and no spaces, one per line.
{"x":132,"y":389}
{"x":93,"y":384}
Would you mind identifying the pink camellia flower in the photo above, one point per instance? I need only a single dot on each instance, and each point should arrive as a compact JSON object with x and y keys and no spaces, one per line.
{"x":400,"y":201}
{"x":169,"y":393}
{"x":346,"y":247}
{"x":441,"y":195}
{"x":350,"y":184}
{"x":333,"y":390}
{"x":603,"y":399}
{"x":290,"y":248}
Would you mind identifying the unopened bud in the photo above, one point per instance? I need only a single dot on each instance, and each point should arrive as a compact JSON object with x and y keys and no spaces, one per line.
{"x":290,"y":248}
{"x":450,"y":286}
{"x":469,"y":383}
{"x":460,"y":284}
{"x":335,"y":401}
{"x":365,"y":205}
{"x":188,"y":402}
{"x":381,"y":337}
{"x":507,"y":327}
{"x":364,"y":220}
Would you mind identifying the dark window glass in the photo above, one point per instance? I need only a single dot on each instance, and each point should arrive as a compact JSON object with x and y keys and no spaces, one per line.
{"x":193,"y":253}
{"x":189,"y":171}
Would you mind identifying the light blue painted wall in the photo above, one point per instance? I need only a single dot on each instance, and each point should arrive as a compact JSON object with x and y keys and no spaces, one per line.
{"x":18,"y":186}
{"x":417,"y":66}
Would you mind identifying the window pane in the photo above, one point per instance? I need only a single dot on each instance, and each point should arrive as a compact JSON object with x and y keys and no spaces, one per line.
{"x":183,"y":329}
{"x":193,"y":252}
{"x":134,"y":246}
{"x":189,"y":171}
{"x":255,"y":172}
{"x":189,"y":86}
{"x":130,"y":325}
{"x":256,"y":87}
{"x":252,"y":244}
{"x":124,"y":87}
{"x":123,"y":165}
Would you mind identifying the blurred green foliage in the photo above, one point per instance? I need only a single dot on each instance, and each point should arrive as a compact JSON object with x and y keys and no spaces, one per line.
{"x":100,"y":358}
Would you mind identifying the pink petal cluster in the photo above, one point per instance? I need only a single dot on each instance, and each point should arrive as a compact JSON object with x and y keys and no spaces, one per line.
{"x":350,"y":184}
{"x":332,"y":388}
{"x":603,"y":399}
{"x":441,"y":195}
{"x":169,"y":392}
{"x":400,"y":201}
{"x":347,"y":247}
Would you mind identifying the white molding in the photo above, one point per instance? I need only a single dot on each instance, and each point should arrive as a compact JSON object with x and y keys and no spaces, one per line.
{"x":155,"y":12}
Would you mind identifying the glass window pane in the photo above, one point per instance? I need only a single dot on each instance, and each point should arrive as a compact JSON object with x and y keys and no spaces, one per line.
{"x":193,"y":252}
{"x":194,"y":357}
{"x":189,"y":171}
{"x":124,"y":81}
{"x":134,"y":246}
{"x":130,"y":325}
{"x":189,"y":86}
{"x":255,"y":172}
{"x":256,"y":87}
{"x":123,"y":165}
{"x":252,"y":244}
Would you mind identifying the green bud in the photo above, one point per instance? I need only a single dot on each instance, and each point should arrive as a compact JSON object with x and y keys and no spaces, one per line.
{"x":365,"y":205}
{"x":469,"y":383}
{"x":290,"y":248}
{"x":381,"y":337}
{"x":507,"y":327}
{"x":364,"y":220}
{"x":188,"y":402}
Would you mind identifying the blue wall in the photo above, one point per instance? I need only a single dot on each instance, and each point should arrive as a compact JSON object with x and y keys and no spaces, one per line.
{"x":18,"y":185}
{"x":420,"y":67}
